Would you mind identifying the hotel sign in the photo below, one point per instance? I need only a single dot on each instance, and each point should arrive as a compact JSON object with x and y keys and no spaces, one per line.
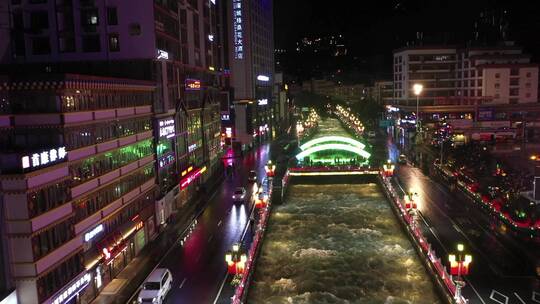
{"x":43,"y":158}
{"x":238,"y":30}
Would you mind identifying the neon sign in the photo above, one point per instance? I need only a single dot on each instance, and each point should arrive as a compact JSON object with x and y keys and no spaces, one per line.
{"x":193,"y":84}
{"x":238,"y":30}
{"x":192,"y":147}
{"x":228,"y":132}
{"x":43,"y":158}
{"x":166,"y":160}
{"x":191,"y":177}
{"x":263,"y":78}
{"x":73,"y":290}
{"x":166,"y":128}
{"x":92,"y":233}
{"x":262,"y":102}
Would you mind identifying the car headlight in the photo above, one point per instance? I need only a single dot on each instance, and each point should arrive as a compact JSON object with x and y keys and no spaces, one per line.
{"x":139,"y":300}
{"x":154,"y":300}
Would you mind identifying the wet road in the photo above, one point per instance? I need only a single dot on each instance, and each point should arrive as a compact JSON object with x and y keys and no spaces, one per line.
{"x":198,"y":267}
{"x":501,"y":272}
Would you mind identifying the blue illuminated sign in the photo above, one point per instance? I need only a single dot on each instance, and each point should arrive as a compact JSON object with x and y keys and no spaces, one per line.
{"x":238,"y":31}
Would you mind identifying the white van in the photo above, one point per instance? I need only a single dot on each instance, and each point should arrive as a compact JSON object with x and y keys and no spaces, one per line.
{"x":156,"y":286}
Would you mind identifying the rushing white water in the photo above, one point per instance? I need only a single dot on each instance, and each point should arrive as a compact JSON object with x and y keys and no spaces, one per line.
{"x":338,"y":244}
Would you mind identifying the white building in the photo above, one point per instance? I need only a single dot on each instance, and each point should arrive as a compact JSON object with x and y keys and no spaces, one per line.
{"x":449,"y":75}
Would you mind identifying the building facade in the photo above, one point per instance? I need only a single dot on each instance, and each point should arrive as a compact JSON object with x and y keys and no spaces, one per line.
{"x":496,"y":75}
{"x":250,"y":31}
{"x":485,"y":93}
{"x":383,"y":92}
{"x":175,"y":49}
{"x":77,"y":184}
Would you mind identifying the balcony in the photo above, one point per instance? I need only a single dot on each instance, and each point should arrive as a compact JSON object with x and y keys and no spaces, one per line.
{"x":74,"y":117}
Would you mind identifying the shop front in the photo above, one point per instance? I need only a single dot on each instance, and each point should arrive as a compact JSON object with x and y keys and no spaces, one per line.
{"x":70,"y":294}
{"x":107,"y":258}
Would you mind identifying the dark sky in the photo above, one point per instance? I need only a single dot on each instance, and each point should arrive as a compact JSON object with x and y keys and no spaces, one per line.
{"x":375,"y":27}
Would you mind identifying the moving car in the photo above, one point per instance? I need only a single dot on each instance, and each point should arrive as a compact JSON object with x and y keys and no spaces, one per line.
{"x":252,"y":176}
{"x":371,"y":134}
{"x":402,"y":159}
{"x":156,"y":286}
{"x":239,"y":194}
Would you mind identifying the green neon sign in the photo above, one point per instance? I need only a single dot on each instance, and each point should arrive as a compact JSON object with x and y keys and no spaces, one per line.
{"x":326,"y":147}
{"x":326,"y":139}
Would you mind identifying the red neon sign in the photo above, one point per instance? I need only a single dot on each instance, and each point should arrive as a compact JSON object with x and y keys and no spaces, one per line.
{"x":193,"y":84}
{"x":191,"y":177}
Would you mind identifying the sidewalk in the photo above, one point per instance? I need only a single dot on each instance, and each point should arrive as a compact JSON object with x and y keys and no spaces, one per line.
{"x":122,"y":288}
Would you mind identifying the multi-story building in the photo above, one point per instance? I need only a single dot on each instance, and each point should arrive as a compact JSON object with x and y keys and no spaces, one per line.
{"x":78,"y":181}
{"x":250,"y":31}
{"x":350,"y":93}
{"x":480,"y":90}
{"x":172,"y":45}
{"x":383,"y":92}
{"x":490,"y":75}
{"x":280,"y":104}
{"x":434,"y":67}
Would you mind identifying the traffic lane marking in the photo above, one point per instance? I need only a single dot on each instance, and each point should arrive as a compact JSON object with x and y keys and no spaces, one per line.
{"x":182,"y":284}
{"x":498,"y":294}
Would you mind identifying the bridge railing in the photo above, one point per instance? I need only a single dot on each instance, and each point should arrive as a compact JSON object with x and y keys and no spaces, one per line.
{"x":425,"y":247}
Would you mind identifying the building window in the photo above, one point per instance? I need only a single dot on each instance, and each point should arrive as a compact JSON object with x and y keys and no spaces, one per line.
{"x":52,"y":238}
{"x":66,"y":44}
{"x":528,"y":85}
{"x":96,"y":166}
{"x":513,"y":100}
{"x":48,"y":198}
{"x":514,"y":71}
{"x":41,"y":46}
{"x":497,"y":85}
{"x":514,"y":81}
{"x":90,"y":43}
{"x":514,"y":92}
{"x":39,"y":20}
{"x":497,"y":96}
{"x":89,"y":17}
{"x":528,"y":95}
{"x":114,"y":43}
{"x":497,"y":75}
{"x":134,"y":29}
{"x":50,"y":283}
{"x":87,"y":206}
{"x":77,"y":137}
{"x":20,"y":47}
{"x":528,"y":75}
{"x":112,"y":16}
{"x":18,"y":22}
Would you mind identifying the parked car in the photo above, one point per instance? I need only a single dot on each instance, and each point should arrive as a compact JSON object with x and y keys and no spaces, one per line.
{"x":156,"y":286}
{"x":239,"y":194}
{"x":252,"y":176}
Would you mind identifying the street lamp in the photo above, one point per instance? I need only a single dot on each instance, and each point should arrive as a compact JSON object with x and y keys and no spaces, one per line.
{"x":388,"y":168}
{"x":236,"y":260}
{"x":417,"y":89}
{"x":459,"y":266}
